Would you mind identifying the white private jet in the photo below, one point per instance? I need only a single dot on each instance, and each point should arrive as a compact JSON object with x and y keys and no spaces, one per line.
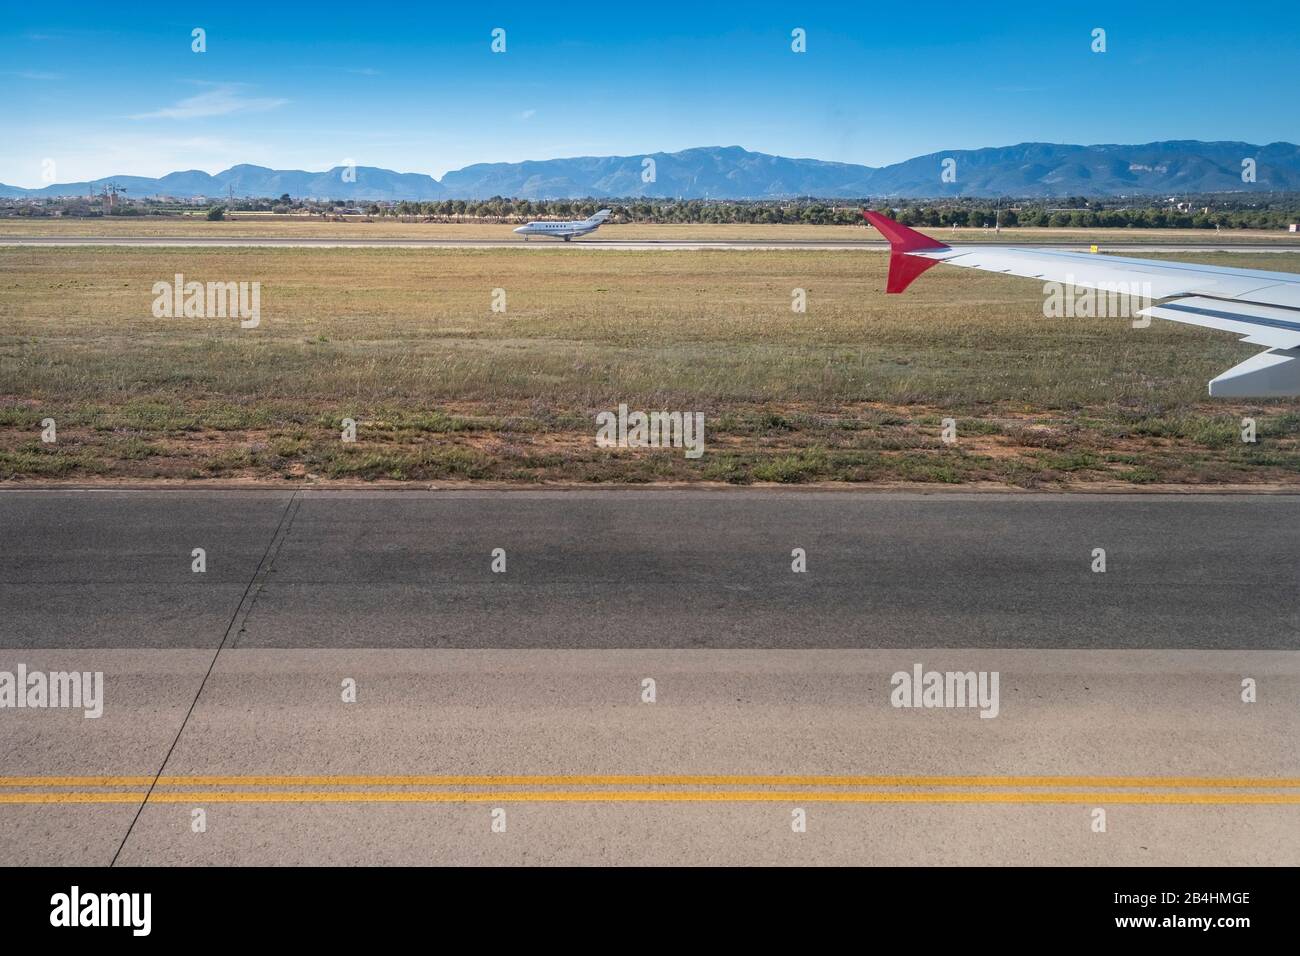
{"x":563,"y":230}
{"x":1262,"y":307}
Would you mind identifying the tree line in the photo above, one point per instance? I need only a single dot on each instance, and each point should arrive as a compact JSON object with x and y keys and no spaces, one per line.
{"x":1228,"y":211}
{"x":1185,"y":213}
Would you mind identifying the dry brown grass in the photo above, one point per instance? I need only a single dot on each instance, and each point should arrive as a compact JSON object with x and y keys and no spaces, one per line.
{"x":404,"y":341}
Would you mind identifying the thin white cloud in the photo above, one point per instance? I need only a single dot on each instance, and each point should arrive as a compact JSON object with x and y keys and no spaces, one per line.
{"x":527,"y":114}
{"x":364,"y":71}
{"x":222,"y":100}
{"x":34,"y":75}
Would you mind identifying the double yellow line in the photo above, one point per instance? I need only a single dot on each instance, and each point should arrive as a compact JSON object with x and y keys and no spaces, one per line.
{"x":651,"y":788}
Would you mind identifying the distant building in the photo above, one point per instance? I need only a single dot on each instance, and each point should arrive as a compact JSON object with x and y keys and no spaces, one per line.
{"x":1294,"y":227}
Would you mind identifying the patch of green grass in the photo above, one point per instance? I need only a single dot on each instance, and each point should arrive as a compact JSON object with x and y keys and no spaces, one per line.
{"x":912,"y":467}
{"x":728,"y":468}
{"x":426,"y":463}
{"x":978,"y":426}
{"x":1142,"y":475}
{"x":15,"y":416}
{"x":133,"y":449}
{"x":1068,"y":461}
{"x":48,"y":462}
{"x":231,"y":460}
{"x":809,"y":465}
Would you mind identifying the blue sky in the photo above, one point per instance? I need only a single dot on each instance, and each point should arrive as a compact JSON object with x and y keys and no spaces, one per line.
{"x":104,"y":90}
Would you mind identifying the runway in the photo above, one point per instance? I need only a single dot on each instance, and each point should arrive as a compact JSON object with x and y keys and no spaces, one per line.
{"x":648,"y":569}
{"x":616,"y":245}
{"x":648,"y":680}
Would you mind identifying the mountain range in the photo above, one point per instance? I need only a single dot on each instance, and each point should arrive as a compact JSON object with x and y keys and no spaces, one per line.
{"x":731,"y":172}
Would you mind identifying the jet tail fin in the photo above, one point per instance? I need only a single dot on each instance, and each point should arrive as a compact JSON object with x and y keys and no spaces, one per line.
{"x":903,"y":268}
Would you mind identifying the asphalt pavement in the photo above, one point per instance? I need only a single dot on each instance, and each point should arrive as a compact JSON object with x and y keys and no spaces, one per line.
{"x":649,"y":681}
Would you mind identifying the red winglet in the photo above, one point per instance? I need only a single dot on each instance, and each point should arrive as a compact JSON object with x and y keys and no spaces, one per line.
{"x":903,"y":269}
{"x":901,"y":239}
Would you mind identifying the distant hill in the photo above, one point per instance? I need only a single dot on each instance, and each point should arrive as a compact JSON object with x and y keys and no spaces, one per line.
{"x":712,"y":172}
{"x":257,"y":181}
{"x":1047,"y":169}
{"x":730,"y":172}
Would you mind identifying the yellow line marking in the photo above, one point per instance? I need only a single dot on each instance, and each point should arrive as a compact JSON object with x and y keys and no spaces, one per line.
{"x":596,"y":780}
{"x":75,"y":781}
{"x":110,"y":796}
{"x":653,"y":796}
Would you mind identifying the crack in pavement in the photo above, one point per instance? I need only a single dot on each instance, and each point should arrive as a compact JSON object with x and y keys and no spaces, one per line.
{"x":240,"y":616}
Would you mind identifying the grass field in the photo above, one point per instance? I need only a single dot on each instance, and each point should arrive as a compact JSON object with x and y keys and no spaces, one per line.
{"x":405,"y":342}
{"x":249,"y":226}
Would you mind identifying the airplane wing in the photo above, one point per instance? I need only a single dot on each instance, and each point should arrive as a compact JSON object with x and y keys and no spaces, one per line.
{"x":1262,"y":307}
